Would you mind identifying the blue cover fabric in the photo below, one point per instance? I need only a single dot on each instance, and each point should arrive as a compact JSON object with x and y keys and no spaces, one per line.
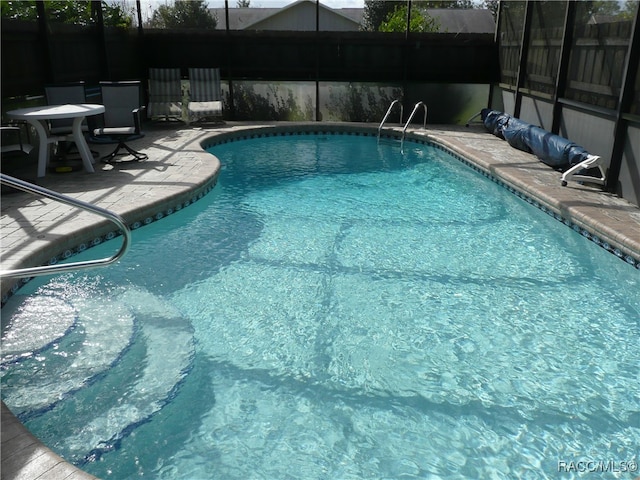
{"x":494,"y":121}
{"x":517,"y":134}
{"x":551,"y":149}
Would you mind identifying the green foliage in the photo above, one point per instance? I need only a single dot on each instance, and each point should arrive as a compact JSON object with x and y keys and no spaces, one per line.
{"x":183,"y":14}
{"x":391,"y":16}
{"x":18,"y":10}
{"x":492,"y":6}
{"x":421,"y":21}
{"x":587,"y":9}
{"x":604,"y":7}
{"x":78,"y":12}
{"x":629,"y":9}
{"x":376,"y":12}
{"x":117,"y":16}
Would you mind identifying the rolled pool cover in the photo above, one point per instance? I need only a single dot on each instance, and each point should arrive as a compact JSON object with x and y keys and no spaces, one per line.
{"x":551,"y":149}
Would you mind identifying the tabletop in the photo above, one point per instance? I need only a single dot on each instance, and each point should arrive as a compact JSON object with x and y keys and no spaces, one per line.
{"x":48,"y":112}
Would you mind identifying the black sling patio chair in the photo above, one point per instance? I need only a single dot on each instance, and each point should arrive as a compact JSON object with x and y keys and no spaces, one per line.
{"x":62,"y":94}
{"x":122,"y":103}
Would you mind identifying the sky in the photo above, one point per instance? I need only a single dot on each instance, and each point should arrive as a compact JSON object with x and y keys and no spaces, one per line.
{"x":281,"y":3}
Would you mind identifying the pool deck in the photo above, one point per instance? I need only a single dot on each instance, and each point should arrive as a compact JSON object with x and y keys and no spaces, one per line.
{"x":36,"y":231}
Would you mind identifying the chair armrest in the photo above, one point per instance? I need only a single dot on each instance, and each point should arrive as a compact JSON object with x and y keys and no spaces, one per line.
{"x":136,"y":118}
{"x":11,"y":128}
{"x":17,"y":131}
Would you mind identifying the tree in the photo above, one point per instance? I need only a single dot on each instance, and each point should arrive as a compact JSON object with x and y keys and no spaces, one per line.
{"x":376,"y":12}
{"x":629,"y":9}
{"x":492,"y":6}
{"x":421,"y":21}
{"x":18,"y":10}
{"x":116,"y":16}
{"x":604,"y":7}
{"x":183,"y":14}
{"x":79,"y":12}
{"x":243,"y":3}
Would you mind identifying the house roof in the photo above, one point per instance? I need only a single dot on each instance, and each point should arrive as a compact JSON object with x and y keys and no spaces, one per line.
{"x":464,"y":20}
{"x":596,"y":19}
{"x":244,"y":18}
{"x":450,"y":20}
{"x":241,"y":18}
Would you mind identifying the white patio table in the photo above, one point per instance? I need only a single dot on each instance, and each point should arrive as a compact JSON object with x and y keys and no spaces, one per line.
{"x":38,"y":116}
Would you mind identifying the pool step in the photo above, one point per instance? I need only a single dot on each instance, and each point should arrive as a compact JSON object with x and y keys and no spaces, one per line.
{"x":35,"y":323}
{"x":129,"y":393}
{"x":41,"y":370}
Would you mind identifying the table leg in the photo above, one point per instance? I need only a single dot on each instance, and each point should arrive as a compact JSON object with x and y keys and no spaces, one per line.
{"x":81,"y":143}
{"x":43,"y":148}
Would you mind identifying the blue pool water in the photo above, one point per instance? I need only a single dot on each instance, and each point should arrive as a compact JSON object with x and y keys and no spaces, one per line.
{"x":337,"y":309}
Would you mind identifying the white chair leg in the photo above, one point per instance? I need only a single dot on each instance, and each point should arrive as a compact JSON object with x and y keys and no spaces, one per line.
{"x":592,"y":161}
{"x":473,"y":118}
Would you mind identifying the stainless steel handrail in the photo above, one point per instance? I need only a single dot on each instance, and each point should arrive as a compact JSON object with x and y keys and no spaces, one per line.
{"x":66,"y":267}
{"x":424,"y":124}
{"x":386,"y":115}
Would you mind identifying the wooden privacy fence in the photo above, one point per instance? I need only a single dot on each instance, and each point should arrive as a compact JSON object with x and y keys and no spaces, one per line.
{"x":596,"y":67}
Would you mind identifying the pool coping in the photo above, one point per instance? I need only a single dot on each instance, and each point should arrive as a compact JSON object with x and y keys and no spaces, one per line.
{"x":179,"y":172}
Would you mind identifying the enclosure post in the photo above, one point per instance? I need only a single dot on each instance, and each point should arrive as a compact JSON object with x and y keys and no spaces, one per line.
{"x":317,"y":61}
{"x":43,"y":28}
{"x":524,"y":52}
{"x":496,"y":36}
{"x":624,"y":105}
{"x":96,"y":7}
{"x":406,"y":33}
{"x":563,"y":67}
{"x":232,"y":106}
{"x":139,"y":13}
{"x":405,"y":57}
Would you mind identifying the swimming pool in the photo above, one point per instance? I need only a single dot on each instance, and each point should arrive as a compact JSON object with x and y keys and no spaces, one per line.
{"x":414,"y":320}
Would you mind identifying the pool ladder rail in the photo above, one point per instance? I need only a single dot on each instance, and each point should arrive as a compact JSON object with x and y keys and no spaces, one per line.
{"x":424,"y":123}
{"x":66,"y":267}
{"x":386,"y":115}
{"x":404,"y":130}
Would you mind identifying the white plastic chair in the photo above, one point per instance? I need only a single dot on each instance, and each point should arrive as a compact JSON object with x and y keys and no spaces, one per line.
{"x":205,"y":94}
{"x":165,"y":94}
